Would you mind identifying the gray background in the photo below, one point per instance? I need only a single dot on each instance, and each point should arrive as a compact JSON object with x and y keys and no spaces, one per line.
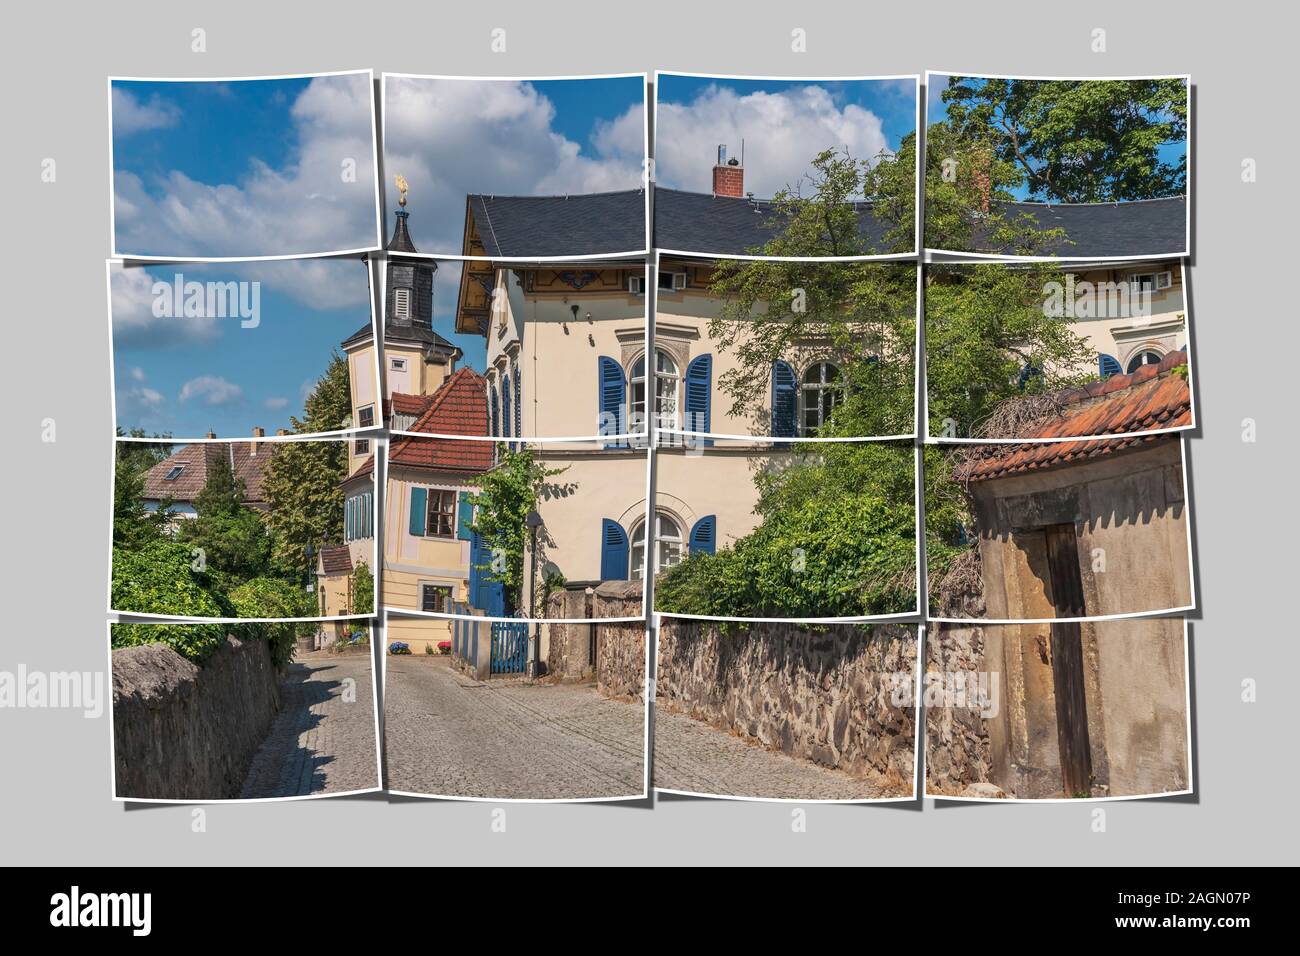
{"x":55,"y":769}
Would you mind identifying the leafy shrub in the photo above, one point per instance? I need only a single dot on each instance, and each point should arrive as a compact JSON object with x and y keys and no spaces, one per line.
{"x":160,"y":578}
{"x":399,"y":647}
{"x":273,"y":597}
{"x":194,"y":642}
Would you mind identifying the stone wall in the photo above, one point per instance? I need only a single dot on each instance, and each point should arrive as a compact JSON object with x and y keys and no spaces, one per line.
{"x":620,"y":647}
{"x":568,"y":646}
{"x":957,"y":751}
{"x":189,"y":733}
{"x":827,"y":695}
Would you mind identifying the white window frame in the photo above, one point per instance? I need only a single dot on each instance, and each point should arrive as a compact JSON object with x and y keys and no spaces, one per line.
{"x":821,"y":387}
{"x":430,"y":490}
{"x":660,"y":540}
{"x":662,"y":420}
{"x":397,"y":364}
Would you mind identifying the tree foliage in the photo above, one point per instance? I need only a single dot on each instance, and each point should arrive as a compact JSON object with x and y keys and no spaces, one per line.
{"x":988,"y":338}
{"x":363,"y":589}
{"x":837,"y":537}
{"x":1077,"y":140}
{"x":859,"y":316}
{"x":505,"y":496}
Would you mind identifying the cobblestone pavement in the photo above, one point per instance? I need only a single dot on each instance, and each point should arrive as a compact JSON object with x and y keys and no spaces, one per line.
{"x":320,"y":742}
{"x":448,"y":735}
{"x":695,"y":756}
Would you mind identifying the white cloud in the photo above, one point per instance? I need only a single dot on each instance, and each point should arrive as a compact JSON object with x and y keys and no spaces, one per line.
{"x":213,"y":389}
{"x":131,"y":299}
{"x":137,"y":373}
{"x":275,"y":404}
{"x":130,"y":115}
{"x":450,"y":138}
{"x":782,"y":131}
{"x":302,"y":208}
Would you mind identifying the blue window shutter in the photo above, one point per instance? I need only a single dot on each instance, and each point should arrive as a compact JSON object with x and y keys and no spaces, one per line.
{"x":704,"y":535}
{"x":370,"y":515}
{"x":419,"y":502}
{"x":347,"y":519}
{"x":613,"y":395}
{"x":783,"y":400}
{"x":464,"y":516}
{"x":699,"y":386}
{"x":505,"y":407}
{"x":613,"y":551}
{"x":1108,"y":365}
{"x":494,"y":413}
{"x":519,"y":404}
{"x":475,"y":575}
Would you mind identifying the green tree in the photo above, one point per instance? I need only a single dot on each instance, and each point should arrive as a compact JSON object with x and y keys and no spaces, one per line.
{"x":819,"y":215}
{"x":989,"y":338}
{"x":222,"y":492}
{"x":837,"y":537}
{"x":860,"y":316}
{"x":133,"y":524}
{"x":506,"y":495}
{"x":1077,"y":140}
{"x":302,"y":481}
{"x":329,"y":406}
{"x":363,"y":589}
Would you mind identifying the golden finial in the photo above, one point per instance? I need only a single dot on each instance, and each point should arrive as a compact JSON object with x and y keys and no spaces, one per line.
{"x":401,"y":188}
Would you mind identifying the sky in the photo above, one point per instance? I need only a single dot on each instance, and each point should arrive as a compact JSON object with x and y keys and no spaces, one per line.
{"x":243,"y":168}
{"x":784,"y":124}
{"x":186,"y":376}
{"x":453,"y":138}
{"x":937,"y":111}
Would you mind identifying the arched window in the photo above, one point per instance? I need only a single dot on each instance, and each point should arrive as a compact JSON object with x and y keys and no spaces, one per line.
{"x":667,"y":388}
{"x":669,"y":545}
{"x":819,"y":392}
{"x":1145,"y":357}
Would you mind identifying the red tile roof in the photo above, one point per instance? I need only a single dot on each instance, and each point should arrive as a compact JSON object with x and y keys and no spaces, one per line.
{"x":1153,"y":397}
{"x":337,"y":560}
{"x":198,"y":457}
{"x":458,"y":407}
{"x":401,"y":403}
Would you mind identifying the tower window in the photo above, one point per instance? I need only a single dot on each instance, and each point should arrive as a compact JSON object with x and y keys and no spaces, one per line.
{"x":401,"y":303}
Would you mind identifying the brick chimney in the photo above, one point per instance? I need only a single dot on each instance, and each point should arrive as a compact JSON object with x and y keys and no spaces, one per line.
{"x":728,"y":176}
{"x":212,"y":434}
{"x":258,"y":432}
{"x":281,"y":432}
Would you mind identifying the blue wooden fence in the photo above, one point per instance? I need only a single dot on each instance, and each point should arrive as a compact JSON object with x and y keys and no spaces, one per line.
{"x":509,"y":647}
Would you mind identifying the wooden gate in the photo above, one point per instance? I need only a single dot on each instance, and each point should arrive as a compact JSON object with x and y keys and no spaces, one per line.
{"x":509,"y":647}
{"x":1067,"y":661}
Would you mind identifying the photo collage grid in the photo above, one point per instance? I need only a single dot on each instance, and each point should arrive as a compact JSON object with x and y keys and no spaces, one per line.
{"x":786,"y":407}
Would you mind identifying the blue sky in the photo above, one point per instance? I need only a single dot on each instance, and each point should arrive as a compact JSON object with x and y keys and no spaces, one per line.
{"x":937,"y":111}
{"x":189,"y":376}
{"x":243,"y":168}
{"x":783,"y":123}
{"x":454,"y":137}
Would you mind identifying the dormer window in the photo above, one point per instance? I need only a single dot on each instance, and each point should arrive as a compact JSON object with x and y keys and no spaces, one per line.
{"x":174,"y":473}
{"x":401,"y":303}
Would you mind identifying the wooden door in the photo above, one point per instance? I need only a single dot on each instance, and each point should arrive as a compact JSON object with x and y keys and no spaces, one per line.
{"x":1067,"y":661}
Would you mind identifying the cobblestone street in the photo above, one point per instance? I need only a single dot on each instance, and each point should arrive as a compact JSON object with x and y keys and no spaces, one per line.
{"x":320,"y":742}
{"x":449,"y":735}
{"x":691,"y":755}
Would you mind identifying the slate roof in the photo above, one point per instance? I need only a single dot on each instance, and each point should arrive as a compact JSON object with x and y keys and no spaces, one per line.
{"x":198,"y":458}
{"x":547,"y":227}
{"x":336,"y":560}
{"x":542,"y":227}
{"x":725,"y":225}
{"x":1149,"y":227}
{"x":1153,"y":397}
{"x":363,"y":334}
{"x":458,"y":407}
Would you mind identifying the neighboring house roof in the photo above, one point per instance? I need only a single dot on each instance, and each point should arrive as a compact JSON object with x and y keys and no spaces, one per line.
{"x":1150,"y":227}
{"x":1154,"y":397}
{"x":403,"y":403}
{"x":726,"y":225}
{"x":198,"y":458}
{"x":458,"y":407}
{"x":336,"y":560}
{"x":542,"y":227}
